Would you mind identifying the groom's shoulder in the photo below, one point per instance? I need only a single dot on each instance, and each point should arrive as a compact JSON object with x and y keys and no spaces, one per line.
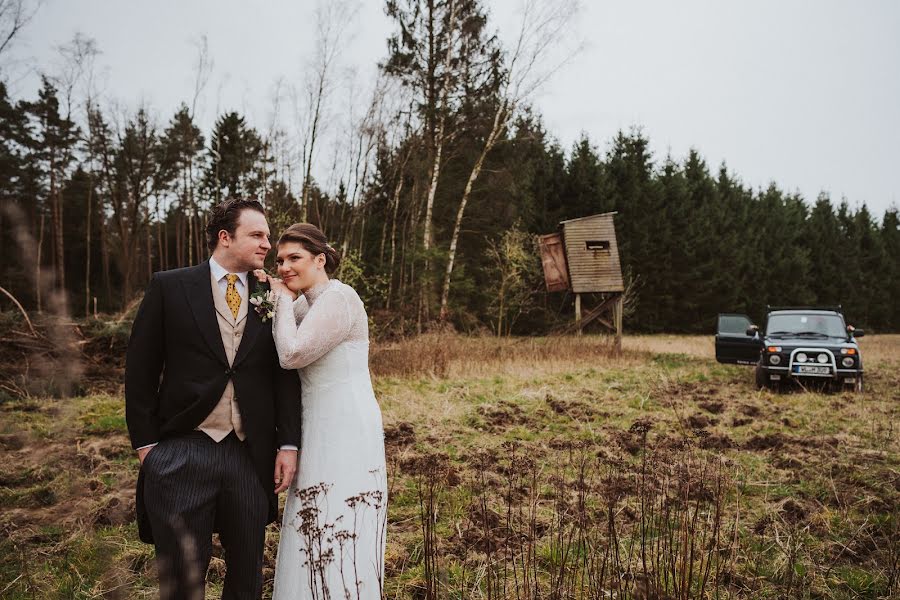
{"x":180,"y":274}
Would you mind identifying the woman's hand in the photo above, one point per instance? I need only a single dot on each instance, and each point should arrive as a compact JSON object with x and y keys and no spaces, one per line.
{"x":277,"y":286}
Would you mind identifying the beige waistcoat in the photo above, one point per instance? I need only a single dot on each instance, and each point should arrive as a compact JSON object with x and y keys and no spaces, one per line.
{"x":226,"y":416}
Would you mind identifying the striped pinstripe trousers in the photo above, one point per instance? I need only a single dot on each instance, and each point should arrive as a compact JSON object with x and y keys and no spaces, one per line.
{"x":192,"y":487}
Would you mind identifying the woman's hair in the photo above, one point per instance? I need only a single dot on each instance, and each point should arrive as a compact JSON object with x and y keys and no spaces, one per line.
{"x":313,"y":241}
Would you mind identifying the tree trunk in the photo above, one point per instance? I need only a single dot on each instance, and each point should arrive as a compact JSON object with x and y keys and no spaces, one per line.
{"x":438,"y":149}
{"x":496,"y":130}
{"x":56,"y":225}
{"x":396,"y":204}
{"x":37,"y":268}
{"x":314,"y":131}
{"x":104,"y":258}
{"x":87,"y":244}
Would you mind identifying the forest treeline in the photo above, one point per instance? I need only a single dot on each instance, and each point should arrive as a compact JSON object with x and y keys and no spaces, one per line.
{"x":435,"y":199}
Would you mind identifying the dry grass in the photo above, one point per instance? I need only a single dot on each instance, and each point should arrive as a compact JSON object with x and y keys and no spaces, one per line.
{"x":816,"y":474}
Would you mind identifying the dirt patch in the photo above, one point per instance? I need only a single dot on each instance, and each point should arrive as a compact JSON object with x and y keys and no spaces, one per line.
{"x":712,"y":406}
{"x":116,"y":509}
{"x":400,"y":435}
{"x":788,"y":463}
{"x":768,"y":441}
{"x":12,"y":441}
{"x":701,"y":421}
{"x":574,"y":409}
{"x":717,"y":441}
{"x":498,"y":417}
{"x":633,"y":440}
{"x":750,"y":410}
{"x":741,"y":421}
{"x":793,"y":511}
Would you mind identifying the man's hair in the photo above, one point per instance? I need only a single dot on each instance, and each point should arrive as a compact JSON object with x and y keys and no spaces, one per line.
{"x":225,"y":215}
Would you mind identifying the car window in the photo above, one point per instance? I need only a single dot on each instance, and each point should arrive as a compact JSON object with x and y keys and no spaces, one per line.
{"x":830,"y":325}
{"x":733,"y":324}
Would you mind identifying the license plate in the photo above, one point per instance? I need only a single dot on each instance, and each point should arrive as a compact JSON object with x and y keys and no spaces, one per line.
{"x":812,"y":370}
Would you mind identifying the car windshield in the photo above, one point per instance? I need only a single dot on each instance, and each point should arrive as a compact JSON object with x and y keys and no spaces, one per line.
{"x":811,"y":325}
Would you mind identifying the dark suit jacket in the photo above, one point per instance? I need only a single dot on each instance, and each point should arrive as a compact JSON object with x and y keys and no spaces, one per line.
{"x":176,"y":371}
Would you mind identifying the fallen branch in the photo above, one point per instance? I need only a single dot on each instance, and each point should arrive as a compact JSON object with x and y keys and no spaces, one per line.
{"x":21,"y":309}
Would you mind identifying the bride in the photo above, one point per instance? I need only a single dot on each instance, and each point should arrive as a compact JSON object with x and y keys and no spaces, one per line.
{"x":333,"y":532}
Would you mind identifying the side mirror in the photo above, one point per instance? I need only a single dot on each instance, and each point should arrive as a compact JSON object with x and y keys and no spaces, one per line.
{"x":857,"y":333}
{"x":752,"y":330}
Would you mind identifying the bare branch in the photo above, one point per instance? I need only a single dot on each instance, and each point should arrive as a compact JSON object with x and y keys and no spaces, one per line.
{"x":203,"y":67}
{"x":14,"y":16}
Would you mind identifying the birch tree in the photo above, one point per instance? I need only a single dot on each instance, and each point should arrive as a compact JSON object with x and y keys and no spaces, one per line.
{"x":526,"y":68}
{"x":439,"y":52}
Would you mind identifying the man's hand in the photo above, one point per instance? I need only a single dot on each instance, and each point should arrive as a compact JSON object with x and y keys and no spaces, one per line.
{"x":143,"y":452}
{"x":285,"y":467}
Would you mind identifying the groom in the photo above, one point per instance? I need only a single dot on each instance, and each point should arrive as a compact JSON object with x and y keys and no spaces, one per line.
{"x":214,"y":418}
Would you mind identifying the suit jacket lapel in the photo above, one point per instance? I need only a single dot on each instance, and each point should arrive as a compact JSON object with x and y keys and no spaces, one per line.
{"x":199,"y":295}
{"x":253,"y":325}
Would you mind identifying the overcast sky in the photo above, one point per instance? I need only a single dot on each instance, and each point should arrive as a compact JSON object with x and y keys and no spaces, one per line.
{"x":802,"y":93}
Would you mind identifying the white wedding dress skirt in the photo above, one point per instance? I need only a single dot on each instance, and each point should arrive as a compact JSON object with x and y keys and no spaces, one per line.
{"x":333,"y":531}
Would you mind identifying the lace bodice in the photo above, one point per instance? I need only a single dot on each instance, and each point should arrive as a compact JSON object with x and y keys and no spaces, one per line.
{"x":320,"y":319}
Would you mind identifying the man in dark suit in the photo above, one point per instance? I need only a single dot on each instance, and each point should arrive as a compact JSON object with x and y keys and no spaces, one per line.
{"x":212,"y":415}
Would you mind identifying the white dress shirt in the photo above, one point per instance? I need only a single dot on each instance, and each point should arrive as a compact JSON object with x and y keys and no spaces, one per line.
{"x":219,"y":272}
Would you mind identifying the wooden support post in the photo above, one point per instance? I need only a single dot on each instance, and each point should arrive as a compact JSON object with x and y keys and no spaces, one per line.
{"x":578,"y":312}
{"x":618,"y":311}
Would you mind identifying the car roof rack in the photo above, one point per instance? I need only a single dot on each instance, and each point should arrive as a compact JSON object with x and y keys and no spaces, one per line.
{"x":835,"y":308}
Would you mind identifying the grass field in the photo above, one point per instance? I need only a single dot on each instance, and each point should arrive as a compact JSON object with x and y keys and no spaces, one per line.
{"x":544,"y":467}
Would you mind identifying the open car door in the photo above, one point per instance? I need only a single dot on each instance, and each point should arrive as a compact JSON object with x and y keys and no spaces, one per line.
{"x":733,"y":345}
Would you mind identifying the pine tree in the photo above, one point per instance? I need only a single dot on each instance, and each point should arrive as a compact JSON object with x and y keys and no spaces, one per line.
{"x":236,"y":166}
{"x":51,"y":139}
{"x":180,"y":157}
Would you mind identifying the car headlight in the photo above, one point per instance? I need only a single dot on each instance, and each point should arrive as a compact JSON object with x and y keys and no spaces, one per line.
{"x":774,"y":359}
{"x":801,"y":357}
{"x":822,"y":358}
{"x":847,"y":361}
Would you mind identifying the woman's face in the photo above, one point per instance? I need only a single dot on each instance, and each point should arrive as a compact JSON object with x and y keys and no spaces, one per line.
{"x":299,"y":268}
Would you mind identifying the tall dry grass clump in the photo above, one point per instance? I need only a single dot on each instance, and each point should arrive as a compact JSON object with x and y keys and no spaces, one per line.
{"x":454,"y":355}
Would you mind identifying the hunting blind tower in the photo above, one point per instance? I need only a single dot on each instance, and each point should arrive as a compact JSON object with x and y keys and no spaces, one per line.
{"x":584,"y":257}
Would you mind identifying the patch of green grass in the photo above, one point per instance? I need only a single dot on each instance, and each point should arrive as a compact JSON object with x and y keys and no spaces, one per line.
{"x":102,"y":414}
{"x":107,"y":424}
{"x":673,"y":361}
{"x":859,"y":582}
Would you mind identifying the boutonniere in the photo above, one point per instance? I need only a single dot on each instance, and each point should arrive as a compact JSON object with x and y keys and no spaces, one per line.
{"x":263,"y":302}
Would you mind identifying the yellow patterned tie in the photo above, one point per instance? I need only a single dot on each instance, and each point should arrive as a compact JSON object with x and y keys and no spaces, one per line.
{"x":232,"y":297}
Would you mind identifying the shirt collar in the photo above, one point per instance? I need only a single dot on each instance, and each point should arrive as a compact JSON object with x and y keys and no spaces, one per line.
{"x":219,"y":272}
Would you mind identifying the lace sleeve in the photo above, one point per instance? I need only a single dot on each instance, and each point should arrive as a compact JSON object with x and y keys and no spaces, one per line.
{"x":325,"y":325}
{"x":301,"y":307}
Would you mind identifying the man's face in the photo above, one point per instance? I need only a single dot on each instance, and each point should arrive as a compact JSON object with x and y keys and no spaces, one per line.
{"x":248,"y":247}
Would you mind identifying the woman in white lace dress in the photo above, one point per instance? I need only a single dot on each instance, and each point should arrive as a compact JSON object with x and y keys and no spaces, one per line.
{"x":333,"y":532}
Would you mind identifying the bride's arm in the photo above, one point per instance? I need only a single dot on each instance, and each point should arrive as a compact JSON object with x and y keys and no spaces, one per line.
{"x":301,"y":307}
{"x":324,"y":326}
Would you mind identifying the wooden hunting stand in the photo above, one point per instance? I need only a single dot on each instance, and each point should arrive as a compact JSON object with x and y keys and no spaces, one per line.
{"x":584,"y":257}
